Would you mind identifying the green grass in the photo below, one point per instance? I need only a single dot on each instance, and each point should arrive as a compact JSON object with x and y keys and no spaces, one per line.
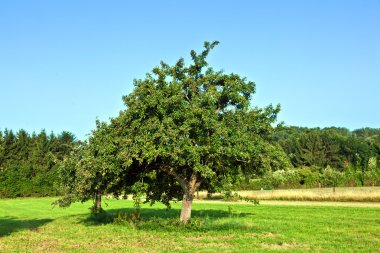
{"x":32,"y":225}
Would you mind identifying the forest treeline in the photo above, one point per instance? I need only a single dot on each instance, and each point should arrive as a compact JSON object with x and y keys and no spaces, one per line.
{"x":29,"y":162}
{"x":325,"y":157}
{"x":299,"y":157}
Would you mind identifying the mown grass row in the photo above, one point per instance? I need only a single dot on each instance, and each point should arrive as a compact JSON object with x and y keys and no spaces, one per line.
{"x":339,"y":194}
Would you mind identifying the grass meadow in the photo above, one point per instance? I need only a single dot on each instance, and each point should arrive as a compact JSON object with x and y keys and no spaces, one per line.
{"x":33,"y":225}
{"x":341,"y":194}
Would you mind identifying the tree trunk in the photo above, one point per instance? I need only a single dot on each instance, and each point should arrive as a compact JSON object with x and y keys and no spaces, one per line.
{"x":189,"y":187}
{"x":98,"y":202}
{"x":187,"y":203}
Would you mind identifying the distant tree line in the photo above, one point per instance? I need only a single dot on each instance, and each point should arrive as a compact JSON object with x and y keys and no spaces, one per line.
{"x":325,"y":157}
{"x":335,"y":147}
{"x":298,"y":157}
{"x":29,"y":163}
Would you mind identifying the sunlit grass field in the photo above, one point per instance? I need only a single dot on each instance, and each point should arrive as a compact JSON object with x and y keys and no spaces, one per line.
{"x":33,"y":225}
{"x":341,"y":194}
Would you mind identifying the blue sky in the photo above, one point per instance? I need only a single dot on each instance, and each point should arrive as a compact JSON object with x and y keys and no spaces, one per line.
{"x":65,"y":63}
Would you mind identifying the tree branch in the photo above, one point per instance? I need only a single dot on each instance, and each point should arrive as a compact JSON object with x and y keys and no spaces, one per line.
{"x":180,"y":180}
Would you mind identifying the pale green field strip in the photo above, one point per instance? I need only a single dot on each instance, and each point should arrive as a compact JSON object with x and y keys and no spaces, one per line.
{"x":296,"y":203}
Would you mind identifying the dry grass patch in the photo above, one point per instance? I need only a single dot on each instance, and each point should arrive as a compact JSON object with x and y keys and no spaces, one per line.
{"x":48,"y":246}
{"x":209,"y":237}
{"x":269,"y":235}
{"x":281,"y":246}
{"x":341,"y":194}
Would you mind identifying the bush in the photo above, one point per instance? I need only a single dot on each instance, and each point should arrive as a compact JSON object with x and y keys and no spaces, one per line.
{"x":312,"y":177}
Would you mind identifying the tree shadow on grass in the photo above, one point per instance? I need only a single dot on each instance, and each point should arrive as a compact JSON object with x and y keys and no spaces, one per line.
{"x":148,"y":213}
{"x":168,"y":220}
{"x":9,"y":225}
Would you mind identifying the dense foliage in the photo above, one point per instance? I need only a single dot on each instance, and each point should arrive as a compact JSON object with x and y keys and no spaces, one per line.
{"x":193,"y":126}
{"x":28,"y":163}
{"x":92,"y":169}
{"x":313,"y":157}
{"x":324,"y":158}
{"x":336,"y":147}
{"x":185,"y":128}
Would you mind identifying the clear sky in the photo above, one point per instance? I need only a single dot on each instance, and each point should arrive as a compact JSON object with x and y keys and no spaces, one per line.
{"x":65,"y":63}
